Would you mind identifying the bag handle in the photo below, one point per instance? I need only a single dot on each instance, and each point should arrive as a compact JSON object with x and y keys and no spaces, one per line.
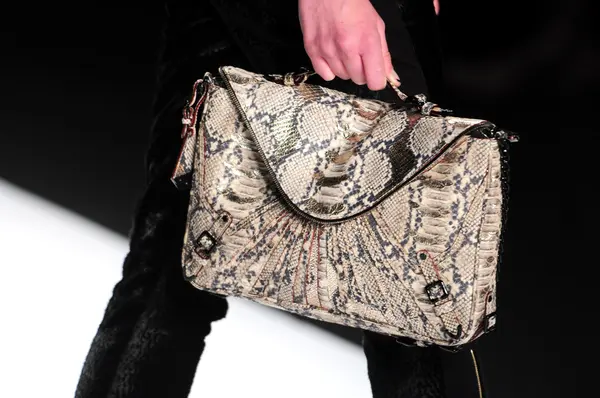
{"x":419,"y":100}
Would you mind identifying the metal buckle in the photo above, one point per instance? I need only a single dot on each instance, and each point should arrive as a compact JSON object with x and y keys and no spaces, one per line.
{"x":489,"y":322}
{"x":436,"y":291}
{"x":457,"y":335}
{"x":205,"y":244}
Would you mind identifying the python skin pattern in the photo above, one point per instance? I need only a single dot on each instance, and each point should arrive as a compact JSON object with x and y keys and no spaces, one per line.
{"x":344,"y":209}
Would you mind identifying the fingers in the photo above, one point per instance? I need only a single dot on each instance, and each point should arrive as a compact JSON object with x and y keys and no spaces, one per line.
{"x":367,"y":61}
{"x":337,"y":64}
{"x":372,"y":59}
{"x":348,"y":53}
{"x":387,"y":58}
{"x":346,"y":39}
{"x":391,"y":76}
{"x":390,"y":73}
{"x":322,"y":68}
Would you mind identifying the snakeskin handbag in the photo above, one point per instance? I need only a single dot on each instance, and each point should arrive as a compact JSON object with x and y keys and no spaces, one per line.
{"x":385,"y":217}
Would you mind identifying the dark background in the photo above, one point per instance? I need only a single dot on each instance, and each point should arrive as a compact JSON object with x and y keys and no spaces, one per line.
{"x":76,"y":85}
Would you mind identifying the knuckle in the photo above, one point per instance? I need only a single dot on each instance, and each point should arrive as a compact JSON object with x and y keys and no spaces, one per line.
{"x":328,"y":51}
{"x":372,"y":38}
{"x":311,"y":47}
{"x":346,"y":43}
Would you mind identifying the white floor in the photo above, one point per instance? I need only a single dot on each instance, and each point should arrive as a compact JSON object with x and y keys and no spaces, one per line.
{"x":58,"y":270}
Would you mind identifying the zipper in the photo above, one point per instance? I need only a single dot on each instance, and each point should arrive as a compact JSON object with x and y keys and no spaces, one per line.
{"x":494,"y":131}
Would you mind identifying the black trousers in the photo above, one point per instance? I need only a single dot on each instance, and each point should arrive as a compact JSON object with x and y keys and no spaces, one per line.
{"x":152,"y":335}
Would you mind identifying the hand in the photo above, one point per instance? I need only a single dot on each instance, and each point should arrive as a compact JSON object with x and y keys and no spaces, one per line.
{"x":346,"y":38}
{"x":436,"y":6}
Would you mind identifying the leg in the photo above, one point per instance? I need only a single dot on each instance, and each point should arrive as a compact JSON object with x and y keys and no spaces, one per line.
{"x":153,"y":331}
{"x":397,"y":371}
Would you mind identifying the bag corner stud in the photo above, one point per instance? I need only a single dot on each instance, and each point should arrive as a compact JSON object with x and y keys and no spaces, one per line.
{"x":205,"y":244}
{"x":436,"y":291}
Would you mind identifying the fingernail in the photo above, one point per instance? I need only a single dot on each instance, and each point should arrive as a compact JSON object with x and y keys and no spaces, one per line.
{"x":394,"y":78}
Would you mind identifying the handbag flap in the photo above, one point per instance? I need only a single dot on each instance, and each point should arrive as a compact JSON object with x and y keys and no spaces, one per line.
{"x":334,"y":155}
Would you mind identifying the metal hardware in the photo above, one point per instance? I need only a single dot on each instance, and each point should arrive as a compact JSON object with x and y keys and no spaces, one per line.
{"x":436,"y":291}
{"x":457,"y":335}
{"x":190,"y":111}
{"x":426,"y":107}
{"x":182,"y":182}
{"x":205,"y":244}
{"x":477,"y":376}
{"x":489,"y":322}
{"x":181,"y":177}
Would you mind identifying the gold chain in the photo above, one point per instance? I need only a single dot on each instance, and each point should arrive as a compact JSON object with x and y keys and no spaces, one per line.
{"x":477,"y":374}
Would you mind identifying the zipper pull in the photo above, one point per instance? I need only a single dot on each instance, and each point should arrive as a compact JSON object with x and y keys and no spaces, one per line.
{"x":182,"y":174}
{"x":426,"y":107}
{"x":506,"y":135}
